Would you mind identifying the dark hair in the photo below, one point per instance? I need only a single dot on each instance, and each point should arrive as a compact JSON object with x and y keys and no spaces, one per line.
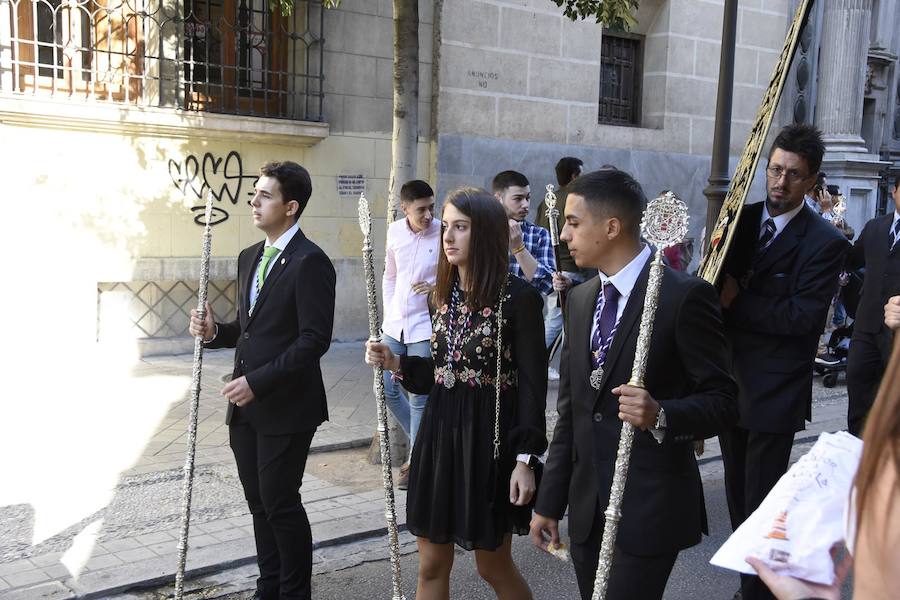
{"x":294,"y":182}
{"x":613,"y":193}
{"x":804,"y":141}
{"x":609,"y":167}
{"x":505,"y":179}
{"x":415,"y":190}
{"x":567,"y":168}
{"x":488,"y":249}
{"x":820,"y":180}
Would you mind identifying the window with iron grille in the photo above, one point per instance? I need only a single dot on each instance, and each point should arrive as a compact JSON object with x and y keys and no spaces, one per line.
{"x":224,"y":56}
{"x":621,"y":71}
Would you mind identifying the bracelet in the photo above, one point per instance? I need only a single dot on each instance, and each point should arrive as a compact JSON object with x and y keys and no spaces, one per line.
{"x":519,"y":249}
{"x":215,"y":335}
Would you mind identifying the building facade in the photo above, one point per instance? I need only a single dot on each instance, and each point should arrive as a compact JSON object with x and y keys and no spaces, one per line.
{"x":119,"y":116}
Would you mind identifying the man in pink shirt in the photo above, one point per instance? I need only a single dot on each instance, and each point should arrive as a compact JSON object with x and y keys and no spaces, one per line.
{"x":413,"y":246}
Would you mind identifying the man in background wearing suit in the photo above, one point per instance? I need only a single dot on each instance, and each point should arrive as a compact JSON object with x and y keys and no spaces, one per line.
{"x":276,"y":396}
{"x":780,"y":276}
{"x":878,"y":251}
{"x":689,"y":395}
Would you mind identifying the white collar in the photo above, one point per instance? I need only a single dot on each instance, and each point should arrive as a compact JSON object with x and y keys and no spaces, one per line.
{"x":625,"y":279}
{"x":894,"y":221}
{"x":285,"y":238}
{"x":781,"y":220}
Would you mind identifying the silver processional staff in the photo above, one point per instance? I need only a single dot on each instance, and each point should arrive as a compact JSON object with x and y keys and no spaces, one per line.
{"x":664,"y":224}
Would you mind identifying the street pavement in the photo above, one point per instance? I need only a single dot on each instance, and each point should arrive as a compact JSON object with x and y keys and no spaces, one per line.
{"x":362,"y":569}
{"x":131,"y":544}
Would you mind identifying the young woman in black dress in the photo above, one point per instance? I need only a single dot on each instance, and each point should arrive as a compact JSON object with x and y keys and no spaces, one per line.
{"x":471,"y":476}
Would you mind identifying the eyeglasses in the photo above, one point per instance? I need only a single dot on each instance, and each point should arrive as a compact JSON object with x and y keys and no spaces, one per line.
{"x":793,"y":176}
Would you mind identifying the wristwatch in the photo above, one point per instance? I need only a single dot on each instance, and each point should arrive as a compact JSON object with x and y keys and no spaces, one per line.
{"x":660,"y":418}
{"x":529,"y":459}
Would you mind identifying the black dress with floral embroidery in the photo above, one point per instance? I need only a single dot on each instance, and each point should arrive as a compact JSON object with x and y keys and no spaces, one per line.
{"x":457,"y":491}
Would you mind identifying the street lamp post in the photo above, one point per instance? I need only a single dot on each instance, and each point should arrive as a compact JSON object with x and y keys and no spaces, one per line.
{"x":719,"y":179}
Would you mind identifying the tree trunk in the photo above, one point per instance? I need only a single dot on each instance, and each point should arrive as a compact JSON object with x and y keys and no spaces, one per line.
{"x":406,"y":100}
{"x":404,"y":138}
{"x":435,"y":89}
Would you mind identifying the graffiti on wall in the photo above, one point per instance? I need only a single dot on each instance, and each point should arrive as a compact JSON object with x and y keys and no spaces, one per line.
{"x":224,"y":177}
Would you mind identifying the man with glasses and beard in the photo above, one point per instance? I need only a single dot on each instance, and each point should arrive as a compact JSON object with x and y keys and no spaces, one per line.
{"x":780,"y":276}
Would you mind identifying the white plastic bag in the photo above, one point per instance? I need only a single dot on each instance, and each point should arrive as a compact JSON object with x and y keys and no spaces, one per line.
{"x":803,"y":516}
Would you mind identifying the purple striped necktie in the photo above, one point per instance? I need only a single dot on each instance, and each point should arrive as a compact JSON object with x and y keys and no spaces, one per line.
{"x":606,"y":322}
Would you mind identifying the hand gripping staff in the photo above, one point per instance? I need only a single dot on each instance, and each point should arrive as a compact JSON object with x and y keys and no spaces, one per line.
{"x":664,"y":224}
{"x":187,"y":486}
{"x":365,"y":224}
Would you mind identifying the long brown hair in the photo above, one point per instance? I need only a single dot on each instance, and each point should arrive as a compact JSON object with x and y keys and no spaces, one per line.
{"x":881,"y":436}
{"x":488,"y":249}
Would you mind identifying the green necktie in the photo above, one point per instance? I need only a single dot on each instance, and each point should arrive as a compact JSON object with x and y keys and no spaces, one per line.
{"x":268,"y":254}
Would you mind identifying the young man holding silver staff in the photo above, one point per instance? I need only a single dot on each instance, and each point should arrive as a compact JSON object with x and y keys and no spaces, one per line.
{"x":286,"y":287}
{"x":688,"y":395}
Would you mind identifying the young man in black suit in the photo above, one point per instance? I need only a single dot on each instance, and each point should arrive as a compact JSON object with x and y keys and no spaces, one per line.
{"x":878,"y":250}
{"x":780,"y":276}
{"x":276,"y":395}
{"x":689,"y":395}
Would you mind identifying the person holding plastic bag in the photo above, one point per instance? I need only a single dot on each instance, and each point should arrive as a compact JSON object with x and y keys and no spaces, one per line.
{"x":876,"y":508}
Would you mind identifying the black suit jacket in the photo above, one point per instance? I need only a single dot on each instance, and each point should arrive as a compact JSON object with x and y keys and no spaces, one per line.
{"x":872,"y":250}
{"x":774,"y":323}
{"x":279,"y":346}
{"x":663,"y":509}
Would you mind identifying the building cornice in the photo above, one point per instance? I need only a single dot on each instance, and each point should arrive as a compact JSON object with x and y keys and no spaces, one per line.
{"x":97,"y":117}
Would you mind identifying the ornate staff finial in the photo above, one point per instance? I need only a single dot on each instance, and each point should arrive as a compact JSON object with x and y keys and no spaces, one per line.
{"x":552,"y":215}
{"x":665,"y":221}
{"x":365,"y":216}
{"x":838,"y":209}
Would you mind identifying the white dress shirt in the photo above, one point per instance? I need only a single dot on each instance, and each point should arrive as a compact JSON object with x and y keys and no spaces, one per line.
{"x":281,"y":243}
{"x":624,"y":281}
{"x":781,"y":220}
{"x":410,"y":257}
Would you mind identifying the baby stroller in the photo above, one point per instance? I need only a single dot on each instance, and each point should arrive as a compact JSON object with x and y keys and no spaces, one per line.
{"x":835,"y":361}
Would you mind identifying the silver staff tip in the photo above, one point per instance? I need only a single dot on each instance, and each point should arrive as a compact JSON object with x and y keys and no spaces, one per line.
{"x":550,"y":196}
{"x":665,"y":221}
{"x":839,"y":208}
{"x":365,"y":217}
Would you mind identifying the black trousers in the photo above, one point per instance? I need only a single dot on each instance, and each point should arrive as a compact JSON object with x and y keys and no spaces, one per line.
{"x":271,"y":470}
{"x":754,"y":461}
{"x":866,"y":363}
{"x":632,"y":577}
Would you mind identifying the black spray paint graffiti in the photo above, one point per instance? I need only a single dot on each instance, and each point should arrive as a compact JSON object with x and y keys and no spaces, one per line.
{"x":224,"y":177}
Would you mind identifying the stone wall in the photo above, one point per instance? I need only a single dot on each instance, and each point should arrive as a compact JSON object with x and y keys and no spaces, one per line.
{"x":519,"y":89}
{"x":522,"y":71}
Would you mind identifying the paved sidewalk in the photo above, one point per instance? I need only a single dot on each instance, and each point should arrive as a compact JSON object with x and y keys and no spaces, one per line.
{"x":136,"y":541}
{"x":140,"y":527}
